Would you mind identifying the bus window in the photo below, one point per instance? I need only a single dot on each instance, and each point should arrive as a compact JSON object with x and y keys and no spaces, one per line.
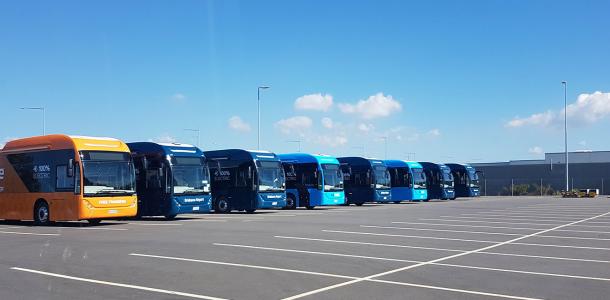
{"x":62,"y":181}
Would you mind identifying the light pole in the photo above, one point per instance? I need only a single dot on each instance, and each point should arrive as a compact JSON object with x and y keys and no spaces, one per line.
{"x":258,"y":108}
{"x":296,"y":141}
{"x":44,"y":130}
{"x":565,"y":129}
{"x":194,"y":130}
{"x":385,"y":147}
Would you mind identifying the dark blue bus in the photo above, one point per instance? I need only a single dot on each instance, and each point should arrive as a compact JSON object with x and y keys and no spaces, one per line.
{"x":439,"y":181}
{"x":466,"y":180}
{"x":312,"y":180}
{"x":246,"y":180}
{"x":365,"y":180}
{"x":408,"y":180}
{"x":171,"y":179}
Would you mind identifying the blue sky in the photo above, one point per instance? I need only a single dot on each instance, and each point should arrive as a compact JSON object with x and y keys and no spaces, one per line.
{"x":443,"y":81}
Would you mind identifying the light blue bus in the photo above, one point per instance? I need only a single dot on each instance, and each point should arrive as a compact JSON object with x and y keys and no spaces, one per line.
{"x":408,"y":180}
{"x":312,"y":180}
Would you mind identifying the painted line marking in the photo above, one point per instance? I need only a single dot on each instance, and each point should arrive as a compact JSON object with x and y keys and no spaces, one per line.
{"x":335,"y":276}
{"x":462,"y":225}
{"x":524,"y":216}
{"x":411,"y":261}
{"x":205,"y":220}
{"x":156,"y":224}
{"x":438,"y":259}
{"x":129,"y":286}
{"x":545,"y":257}
{"x":364,"y":243}
{"x":554,"y":222}
{"x":440,"y":230}
{"x":240,"y":265}
{"x":408,"y":236}
{"x":491,"y":222}
{"x":30,"y":233}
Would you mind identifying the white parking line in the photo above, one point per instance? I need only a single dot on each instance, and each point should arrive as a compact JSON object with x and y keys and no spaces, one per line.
{"x":129,"y":286}
{"x":156,"y":224}
{"x":409,"y":236}
{"x":462,"y":225}
{"x":533,"y":215}
{"x":438,"y":260}
{"x":554,"y":222}
{"x":546,"y":257}
{"x":30,"y":233}
{"x":490,"y":222}
{"x":240,"y":265}
{"x":411,"y":261}
{"x":440,"y":230}
{"x":529,"y":217}
{"x":336,"y":276}
{"x":204,"y":220}
{"x":364,"y":243}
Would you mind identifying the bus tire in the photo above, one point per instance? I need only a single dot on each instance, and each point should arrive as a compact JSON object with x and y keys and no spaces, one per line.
{"x":222,"y":206}
{"x":42,"y":213}
{"x":250,"y":211}
{"x":170,"y":217}
{"x":397,"y":202}
{"x":94,"y":221}
{"x":359,"y":203}
{"x":310,"y":207}
{"x":291,"y":203}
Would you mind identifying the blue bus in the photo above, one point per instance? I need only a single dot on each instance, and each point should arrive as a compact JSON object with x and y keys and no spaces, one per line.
{"x":312,"y":180}
{"x":365,"y":180}
{"x":171,"y":179}
{"x":246,"y":180}
{"x":439,"y":181}
{"x":408,"y":180}
{"x":466,"y":180}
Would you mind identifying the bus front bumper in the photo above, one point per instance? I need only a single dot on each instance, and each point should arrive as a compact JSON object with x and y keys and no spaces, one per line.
{"x":199,"y":204}
{"x":271,"y":200}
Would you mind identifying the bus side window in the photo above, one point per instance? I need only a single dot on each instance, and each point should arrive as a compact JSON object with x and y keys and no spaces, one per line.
{"x":62,"y":181}
{"x":242,"y":176}
{"x":408,"y":179}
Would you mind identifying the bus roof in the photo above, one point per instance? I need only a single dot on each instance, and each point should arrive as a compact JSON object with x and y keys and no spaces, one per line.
{"x":241,"y":154}
{"x":176,"y":149}
{"x":355,"y":160}
{"x":403,"y":163}
{"x":431,"y":165}
{"x":308,"y":158}
{"x":460,"y":167}
{"x":61,"y":141}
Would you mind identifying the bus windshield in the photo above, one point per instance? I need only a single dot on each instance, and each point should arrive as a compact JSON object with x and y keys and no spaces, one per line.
{"x":333,"y":178}
{"x":382,"y":177}
{"x":191,"y":179}
{"x":474,"y":179}
{"x":447,"y":179}
{"x":270,"y":176}
{"x":108,"y":173}
{"x":419,"y":179}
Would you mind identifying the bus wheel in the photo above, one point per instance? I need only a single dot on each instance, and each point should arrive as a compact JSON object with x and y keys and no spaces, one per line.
{"x":250,"y":211}
{"x":94,"y":221}
{"x":310,"y":207}
{"x":290,"y":203}
{"x":41,"y":214}
{"x":170,"y":217}
{"x":222,"y":206}
{"x":397,"y":202}
{"x":359,"y":204}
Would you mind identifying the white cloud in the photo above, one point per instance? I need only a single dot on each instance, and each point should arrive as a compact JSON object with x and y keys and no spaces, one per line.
{"x":178,"y":97}
{"x":327,"y":123}
{"x":294,"y":124}
{"x":588,"y":109}
{"x":375,"y":106}
{"x":314,"y":102}
{"x":366,"y":128}
{"x":237,"y":124}
{"x":332,"y":140}
{"x":535,"y":150}
{"x":434,"y":132}
{"x":164,"y":138}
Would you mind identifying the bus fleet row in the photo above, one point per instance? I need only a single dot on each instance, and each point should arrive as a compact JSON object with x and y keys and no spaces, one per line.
{"x":68,"y":178}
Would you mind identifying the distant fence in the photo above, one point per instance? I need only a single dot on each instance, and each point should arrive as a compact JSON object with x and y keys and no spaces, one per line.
{"x":540,"y":186}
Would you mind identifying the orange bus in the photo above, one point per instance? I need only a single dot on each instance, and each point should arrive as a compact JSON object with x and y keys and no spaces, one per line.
{"x":66,"y":178}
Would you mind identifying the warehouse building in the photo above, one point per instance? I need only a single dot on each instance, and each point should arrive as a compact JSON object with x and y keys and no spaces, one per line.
{"x":588,"y":170}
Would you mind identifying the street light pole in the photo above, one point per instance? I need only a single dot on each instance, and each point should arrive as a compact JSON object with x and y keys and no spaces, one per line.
{"x":258,"y":109}
{"x":565,"y":130}
{"x":194,"y":130}
{"x":296,"y":141}
{"x":44,"y":129}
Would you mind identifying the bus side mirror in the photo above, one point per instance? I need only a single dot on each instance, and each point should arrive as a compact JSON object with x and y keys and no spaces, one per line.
{"x":70,"y":168}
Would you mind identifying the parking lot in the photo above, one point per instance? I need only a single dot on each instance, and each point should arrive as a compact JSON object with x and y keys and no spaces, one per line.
{"x":484,"y":248}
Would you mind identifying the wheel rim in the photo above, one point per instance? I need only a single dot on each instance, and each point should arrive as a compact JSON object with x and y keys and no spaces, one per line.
{"x":43,"y":214}
{"x":290,"y":202}
{"x":223,"y":205}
